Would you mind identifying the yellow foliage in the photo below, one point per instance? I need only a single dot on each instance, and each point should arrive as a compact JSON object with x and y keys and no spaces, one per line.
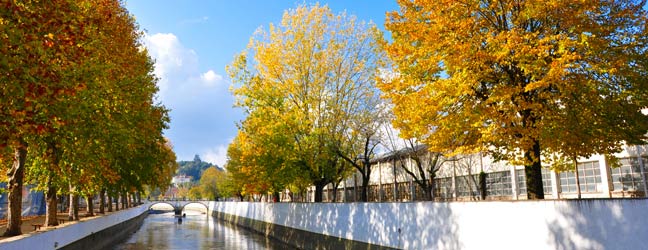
{"x":517,"y":76}
{"x":303,"y":82}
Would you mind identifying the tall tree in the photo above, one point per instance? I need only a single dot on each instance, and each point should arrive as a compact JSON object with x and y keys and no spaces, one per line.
{"x":495,"y":74}
{"x":78,"y":89}
{"x":303,"y":79}
{"x":42,"y":45}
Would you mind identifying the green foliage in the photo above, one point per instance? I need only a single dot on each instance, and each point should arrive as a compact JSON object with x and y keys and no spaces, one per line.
{"x":209,"y":183}
{"x":195,"y":193}
{"x":193,"y":168}
{"x":77,"y":91}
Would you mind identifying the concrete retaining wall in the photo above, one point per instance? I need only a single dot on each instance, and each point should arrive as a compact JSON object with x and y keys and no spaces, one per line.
{"x":551,"y":224}
{"x":90,"y":234}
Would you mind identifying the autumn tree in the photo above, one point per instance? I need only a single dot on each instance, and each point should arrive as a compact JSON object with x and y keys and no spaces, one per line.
{"x":78,"y":89}
{"x":42,"y":45}
{"x":301,"y":83}
{"x":258,"y":164}
{"x":209,"y":183}
{"x":496,"y":75}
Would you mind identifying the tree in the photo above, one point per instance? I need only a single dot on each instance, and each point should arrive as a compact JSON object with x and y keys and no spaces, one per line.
{"x":300,"y":83}
{"x":209,"y":183}
{"x":257,"y":165}
{"x":78,"y":89}
{"x":42,"y":44}
{"x":195,"y":193}
{"x":495,"y":75}
{"x":357,"y":142}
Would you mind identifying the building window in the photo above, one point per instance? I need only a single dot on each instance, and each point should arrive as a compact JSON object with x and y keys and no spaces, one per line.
{"x":443,"y":188}
{"x":466,"y":185}
{"x":498,"y":183}
{"x":546,"y":181}
{"x":628,"y":176}
{"x":520,"y":178}
{"x":521,"y":181}
{"x":589,"y":174}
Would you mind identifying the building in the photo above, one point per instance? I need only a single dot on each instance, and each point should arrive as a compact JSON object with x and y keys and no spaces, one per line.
{"x":179,"y":180}
{"x":458,"y":179}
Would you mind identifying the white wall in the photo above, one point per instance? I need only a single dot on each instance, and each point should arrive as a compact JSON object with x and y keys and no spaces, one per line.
{"x":555,"y":224}
{"x":70,"y":231}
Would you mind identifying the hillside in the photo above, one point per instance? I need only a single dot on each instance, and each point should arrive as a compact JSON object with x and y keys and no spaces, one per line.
{"x":194,"y":168}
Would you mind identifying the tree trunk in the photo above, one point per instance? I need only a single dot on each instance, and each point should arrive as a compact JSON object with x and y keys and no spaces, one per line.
{"x":73,"y":210}
{"x":15,"y":186}
{"x":124,"y":203}
{"x":90,"y":205}
{"x":319,"y":190}
{"x":578,"y":189}
{"x":138,"y":195}
{"x":110,"y":202}
{"x":533,"y":173}
{"x":364,"y":189}
{"x":335,"y":189}
{"x":51,"y":218}
{"x":429,"y":190}
{"x":102,"y":201}
{"x":482,"y":185}
{"x":116,"y":198}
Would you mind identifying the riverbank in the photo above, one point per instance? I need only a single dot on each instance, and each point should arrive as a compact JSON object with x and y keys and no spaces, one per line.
{"x":71,"y":235}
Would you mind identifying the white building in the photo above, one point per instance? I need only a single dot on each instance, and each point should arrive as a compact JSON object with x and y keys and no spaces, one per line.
{"x":180,"y":179}
{"x":458,"y":179}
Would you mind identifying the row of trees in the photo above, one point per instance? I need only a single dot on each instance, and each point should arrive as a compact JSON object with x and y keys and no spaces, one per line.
{"x":77,"y":105}
{"x":525,"y":82}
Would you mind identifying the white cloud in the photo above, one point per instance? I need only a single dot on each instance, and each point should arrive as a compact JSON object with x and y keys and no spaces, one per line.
{"x":172,"y":59}
{"x":210,"y":78}
{"x":202,"y":117}
{"x":203,"y":19}
{"x":217,"y":155}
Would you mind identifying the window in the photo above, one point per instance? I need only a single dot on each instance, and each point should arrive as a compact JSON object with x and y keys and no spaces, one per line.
{"x":546,"y":181}
{"x":443,"y":187}
{"x":466,"y":185}
{"x":521,"y":181}
{"x":498,"y":183}
{"x":589,"y":175}
{"x":628,"y":176}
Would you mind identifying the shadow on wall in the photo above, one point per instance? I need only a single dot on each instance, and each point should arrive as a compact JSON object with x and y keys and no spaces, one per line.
{"x":414,"y":225}
{"x":599,"y":224}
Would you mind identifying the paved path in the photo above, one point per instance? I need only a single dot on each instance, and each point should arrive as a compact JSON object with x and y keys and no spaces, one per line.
{"x":27,"y":226}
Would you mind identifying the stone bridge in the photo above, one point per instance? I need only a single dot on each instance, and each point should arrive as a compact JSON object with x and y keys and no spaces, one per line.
{"x":179,"y":205}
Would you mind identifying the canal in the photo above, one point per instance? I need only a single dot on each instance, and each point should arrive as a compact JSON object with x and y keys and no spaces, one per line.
{"x":195,"y":231}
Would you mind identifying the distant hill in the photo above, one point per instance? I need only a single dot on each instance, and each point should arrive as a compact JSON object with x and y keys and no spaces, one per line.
{"x":194,"y":168}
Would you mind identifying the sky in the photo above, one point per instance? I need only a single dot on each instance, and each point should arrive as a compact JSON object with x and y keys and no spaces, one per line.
{"x":192,"y":41}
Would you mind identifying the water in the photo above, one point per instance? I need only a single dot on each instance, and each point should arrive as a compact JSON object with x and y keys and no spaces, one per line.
{"x":195,"y":231}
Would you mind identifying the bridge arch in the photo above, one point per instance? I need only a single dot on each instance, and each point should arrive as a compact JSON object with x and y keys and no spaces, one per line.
{"x":179,"y":205}
{"x":161,"y":202}
{"x":204,"y":204}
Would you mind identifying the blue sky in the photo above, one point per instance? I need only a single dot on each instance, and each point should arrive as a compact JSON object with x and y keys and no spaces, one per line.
{"x":193,"y":41}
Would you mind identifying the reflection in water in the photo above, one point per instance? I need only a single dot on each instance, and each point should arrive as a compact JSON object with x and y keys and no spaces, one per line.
{"x":195,"y":231}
